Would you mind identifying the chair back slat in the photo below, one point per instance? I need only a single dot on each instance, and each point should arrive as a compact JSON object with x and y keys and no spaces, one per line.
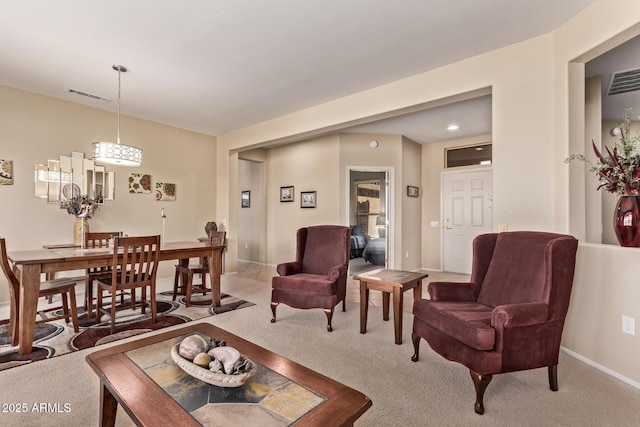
{"x":99,"y":239}
{"x":217,"y":238}
{"x":136,"y":258}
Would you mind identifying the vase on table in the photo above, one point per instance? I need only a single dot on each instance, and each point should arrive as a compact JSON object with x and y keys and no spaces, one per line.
{"x":626,"y":221}
{"x":210,"y":226}
{"x":80,"y":229}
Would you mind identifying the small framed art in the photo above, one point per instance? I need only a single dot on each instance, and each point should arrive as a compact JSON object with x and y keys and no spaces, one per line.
{"x":246,"y":199}
{"x":412,"y":191}
{"x":6,"y":172}
{"x":165,"y":191}
{"x":308,"y":199}
{"x":139,"y":183}
{"x":286,"y":194}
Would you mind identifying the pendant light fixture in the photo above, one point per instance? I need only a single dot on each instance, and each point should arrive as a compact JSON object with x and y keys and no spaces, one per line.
{"x":116,"y":153}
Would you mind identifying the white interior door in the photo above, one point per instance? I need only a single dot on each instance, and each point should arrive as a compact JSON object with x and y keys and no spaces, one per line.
{"x":467,"y":211}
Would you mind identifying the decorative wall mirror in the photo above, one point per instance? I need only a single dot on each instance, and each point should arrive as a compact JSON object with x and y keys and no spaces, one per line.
{"x":71,"y":176}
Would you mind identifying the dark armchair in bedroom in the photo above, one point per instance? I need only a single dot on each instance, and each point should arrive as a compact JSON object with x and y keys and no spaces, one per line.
{"x":510,"y":316}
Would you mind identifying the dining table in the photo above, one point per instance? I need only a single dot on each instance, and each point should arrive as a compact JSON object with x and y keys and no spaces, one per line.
{"x":32,"y":263}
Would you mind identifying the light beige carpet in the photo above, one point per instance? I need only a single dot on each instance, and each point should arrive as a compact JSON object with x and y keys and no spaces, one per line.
{"x":432,"y":391}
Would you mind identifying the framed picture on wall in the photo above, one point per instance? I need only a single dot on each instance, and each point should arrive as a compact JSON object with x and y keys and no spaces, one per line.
{"x":286,"y":194}
{"x":165,"y":191}
{"x":6,"y":172}
{"x":139,"y":183}
{"x":308,"y":199}
{"x":245,"y":200}
{"x":412,"y":191}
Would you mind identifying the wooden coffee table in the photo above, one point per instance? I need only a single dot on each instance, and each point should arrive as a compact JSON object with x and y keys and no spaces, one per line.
{"x":142,"y":378}
{"x":389,"y":282}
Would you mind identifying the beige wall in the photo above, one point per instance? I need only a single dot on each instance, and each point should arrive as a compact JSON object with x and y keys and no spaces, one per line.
{"x":533,"y":126}
{"x":321,"y":164}
{"x":252,"y":220}
{"x":411,"y":216}
{"x":36,"y":128}
{"x":309,"y":166}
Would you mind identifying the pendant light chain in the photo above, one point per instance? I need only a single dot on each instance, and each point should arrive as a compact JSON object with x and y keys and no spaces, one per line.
{"x":119,"y":72}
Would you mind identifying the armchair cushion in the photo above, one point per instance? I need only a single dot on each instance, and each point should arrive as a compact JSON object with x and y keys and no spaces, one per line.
{"x":467,"y":322}
{"x":304,"y":282}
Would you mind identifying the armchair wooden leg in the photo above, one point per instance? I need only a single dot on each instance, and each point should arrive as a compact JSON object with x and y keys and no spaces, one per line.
{"x":329,"y":313}
{"x":553,"y":377}
{"x":480,"y":382}
{"x":416,"y":347}
{"x":344,"y":305}
{"x":273,"y":310}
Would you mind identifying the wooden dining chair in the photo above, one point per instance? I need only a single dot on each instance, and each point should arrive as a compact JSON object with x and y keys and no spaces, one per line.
{"x":183,"y":280}
{"x":63,"y":286}
{"x":98,"y":239}
{"x":135,"y":262}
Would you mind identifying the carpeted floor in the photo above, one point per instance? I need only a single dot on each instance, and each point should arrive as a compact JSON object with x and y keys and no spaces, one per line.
{"x":429,"y":392}
{"x":57,"y":338}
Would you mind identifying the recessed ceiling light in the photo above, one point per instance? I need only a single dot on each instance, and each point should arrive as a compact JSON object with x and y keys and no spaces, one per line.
{"x":453,"y":127}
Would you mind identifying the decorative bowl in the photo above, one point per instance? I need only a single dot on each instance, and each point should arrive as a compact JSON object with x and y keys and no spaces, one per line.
{"x":214,"y":378}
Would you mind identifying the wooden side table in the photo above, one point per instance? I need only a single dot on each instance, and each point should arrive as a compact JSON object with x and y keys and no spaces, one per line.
{"x":394,"y":282}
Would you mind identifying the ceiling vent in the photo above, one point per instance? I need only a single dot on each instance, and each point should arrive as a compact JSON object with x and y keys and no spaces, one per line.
{"x":624,"y":81}
{"x":88,"y":95}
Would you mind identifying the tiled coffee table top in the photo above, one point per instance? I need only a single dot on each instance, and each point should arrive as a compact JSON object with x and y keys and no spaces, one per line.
{"x":268,"y":399}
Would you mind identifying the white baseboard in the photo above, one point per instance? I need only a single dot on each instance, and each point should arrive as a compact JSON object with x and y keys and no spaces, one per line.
{"x":599,"y":367}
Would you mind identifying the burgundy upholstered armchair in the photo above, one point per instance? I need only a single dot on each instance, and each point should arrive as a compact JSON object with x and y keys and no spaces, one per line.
{"x":318,"y":276}
{"x":510,"y":316}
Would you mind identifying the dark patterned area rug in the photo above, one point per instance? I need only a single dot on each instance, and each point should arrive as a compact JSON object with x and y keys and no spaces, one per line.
{"x":57,"y":338}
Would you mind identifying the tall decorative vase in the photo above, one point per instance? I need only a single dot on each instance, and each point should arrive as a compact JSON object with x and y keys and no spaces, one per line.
{"x":80,"y":228}
{"x":626,"y":221}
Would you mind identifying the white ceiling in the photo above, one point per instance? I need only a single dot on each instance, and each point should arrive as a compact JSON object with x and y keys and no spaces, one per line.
{"x":213,"y":66}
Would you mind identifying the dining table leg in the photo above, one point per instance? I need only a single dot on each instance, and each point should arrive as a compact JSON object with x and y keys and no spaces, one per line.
{"x":215,"y":267}
{"x":27,"y":306}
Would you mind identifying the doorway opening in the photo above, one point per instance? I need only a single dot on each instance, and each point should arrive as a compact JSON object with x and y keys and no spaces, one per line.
{"x":369,"y":220}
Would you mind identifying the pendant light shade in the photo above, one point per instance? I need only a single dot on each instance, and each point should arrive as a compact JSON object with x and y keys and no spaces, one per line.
{"x":114,"y":153}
